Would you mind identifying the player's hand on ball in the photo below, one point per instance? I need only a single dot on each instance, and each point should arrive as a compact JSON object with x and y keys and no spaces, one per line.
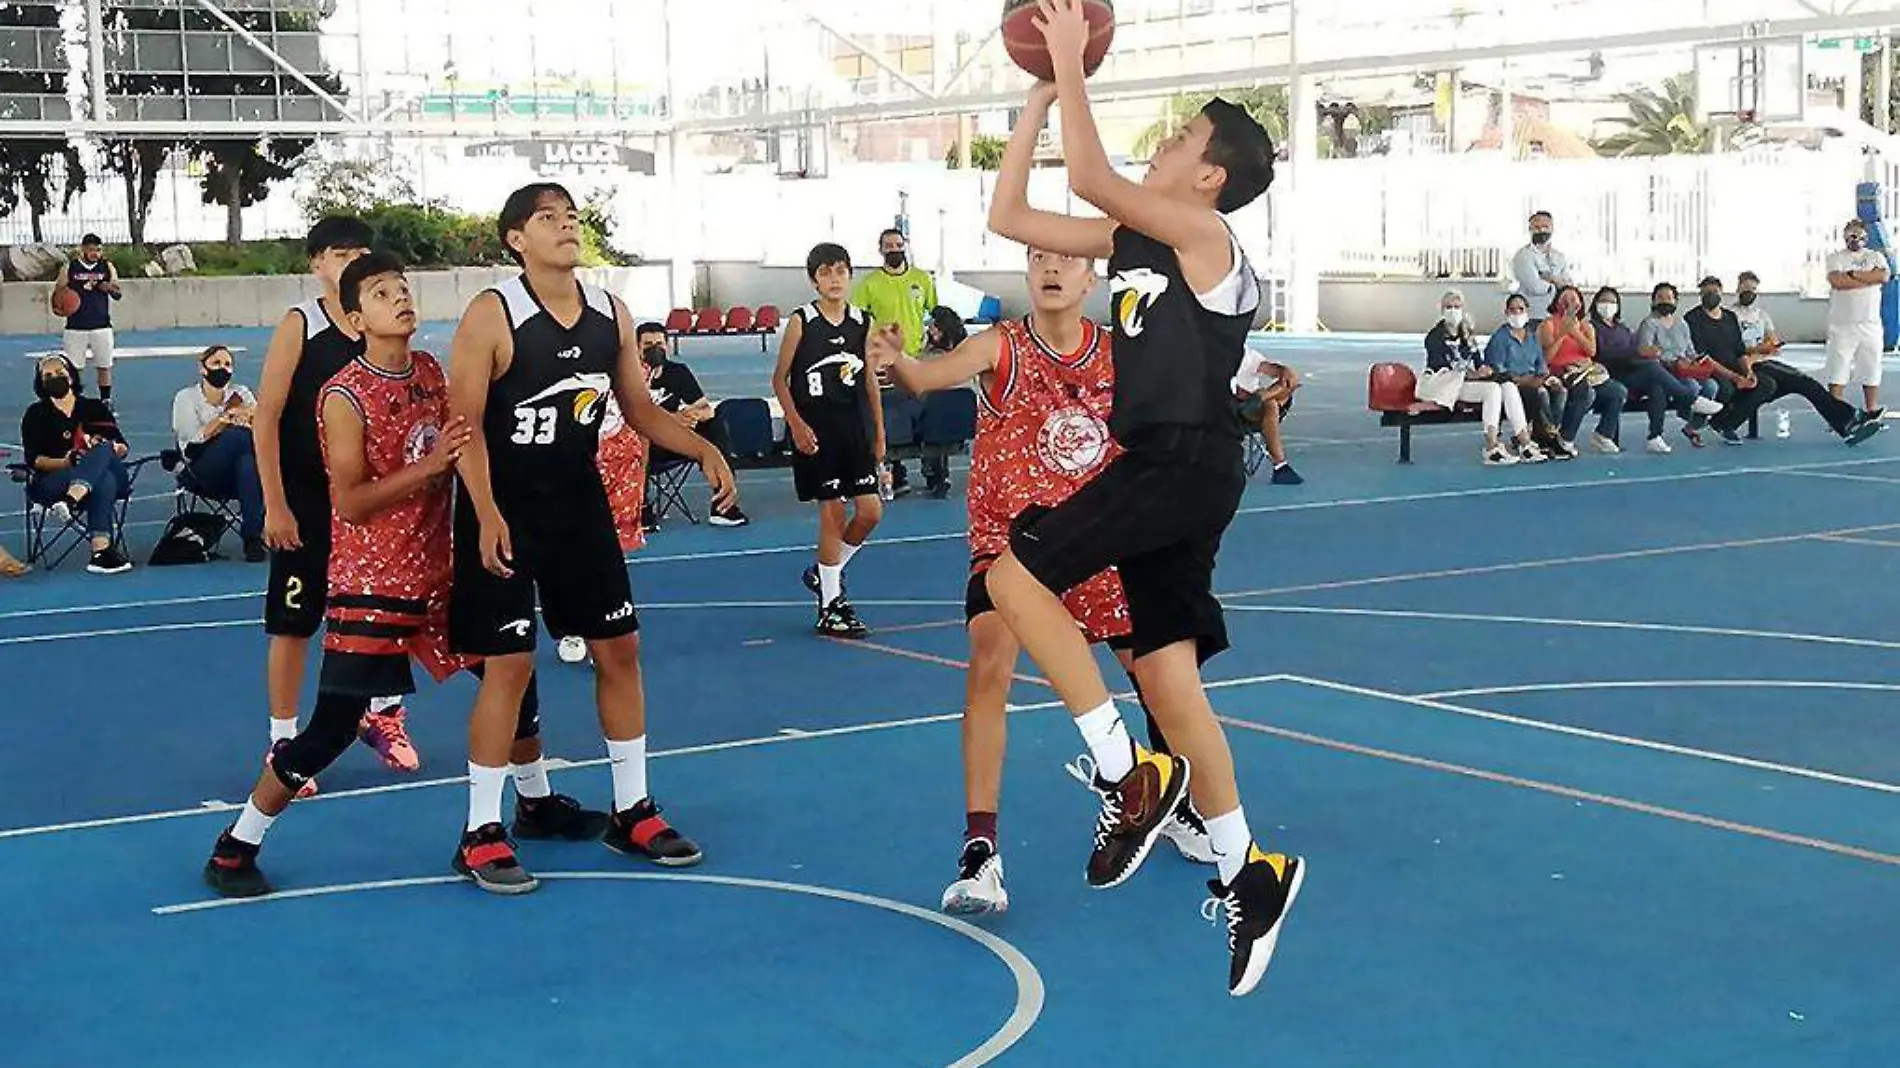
{"x":803,"y":439}
{"x":1042,"y":96}
{"x":449,"y":445}
{"x":497,"y":550}
{"x":1064,"y":27}
{"x":725,"y":488}
{"x":280,"y":530}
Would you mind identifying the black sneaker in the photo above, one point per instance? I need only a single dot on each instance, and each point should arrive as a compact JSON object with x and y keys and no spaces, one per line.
{"x":978,"y":890}
{"x":649,"y":519}
{"x":557,"y":816}
{"x":1731,"y":436}
{"x":232,"y":870}
{"x":254,"y":551}
{"x":641,"y":832}
{"x":487,"y":857}
{"x":109,"y":561}
{"x":731,"y":517}
{"x":840,"y":620}
{"x":1134,"y":811}
{"x":1259,"y":899}
{"x":1284,"y":475}
{"x":937,"y":491}
{"x":1862,"y":426}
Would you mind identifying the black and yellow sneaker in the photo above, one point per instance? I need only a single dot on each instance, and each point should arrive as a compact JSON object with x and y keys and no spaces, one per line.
{"x":557,"y":816}
{"x":840,"y":620}
{"x":1134,"y":811}
{"x":487,"y":857}
{"x":640,"y":832}
{"x":232,"y":870}
{"x":1257,"y":902}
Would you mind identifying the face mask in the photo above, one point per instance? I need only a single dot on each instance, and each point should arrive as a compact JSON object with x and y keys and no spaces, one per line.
{"x":1454,"y":316}
{"x":1540,"y":237}
{"x":1856,"y":243}
{"x":893,"y":260}
{"x":1606,"y":310}
{"x":653,"y":355}
{"x":1665,"y":309}
{"x":218,"y":378}
{"x":1745,"y":297}
{"x":57,"y":388}
{"x":1517,"y":320}
{"x":1711,"y":301}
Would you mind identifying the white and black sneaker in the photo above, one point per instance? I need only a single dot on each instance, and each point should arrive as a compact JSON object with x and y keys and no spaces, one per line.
{"x":1189,"y":834}
{"x":978,"y":890}
{"x":840,"y":620}
{"x":731,"y":517}
{"x":1257,"y":903}
{"x":109,"y":561}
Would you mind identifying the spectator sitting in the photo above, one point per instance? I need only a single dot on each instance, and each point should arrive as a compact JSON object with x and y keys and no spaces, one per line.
{"x":1263,"y":403}
{"x":1775,"y":379}
{"x":1514,"y":353}
{"x":1641,"y":375}
{"x":212,"y":422}
{"x":945,"y":330}
{"x":675,"y":390}
{"x":1717,"y":334}
{"x":1451,"y":347}
{"x":1570,"y":350}
{"x":77,"y":454}
{"x":1664,"y":336}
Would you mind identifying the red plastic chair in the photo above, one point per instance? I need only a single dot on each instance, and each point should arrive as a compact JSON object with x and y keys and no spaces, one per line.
{"x":1391,"y":387}
{"x":739,"y":321}
{"x":708,"y":321}
{"x":679,"y":320}
{"x":767,"y":319}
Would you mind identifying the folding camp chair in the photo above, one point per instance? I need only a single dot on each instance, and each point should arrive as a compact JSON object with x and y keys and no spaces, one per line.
{"x":189,"y":496}
{"x":49,"y":541}
{"x":666,"y":482}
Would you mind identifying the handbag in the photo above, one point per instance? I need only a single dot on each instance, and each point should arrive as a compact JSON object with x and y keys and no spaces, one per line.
{"x":1440,"y":387}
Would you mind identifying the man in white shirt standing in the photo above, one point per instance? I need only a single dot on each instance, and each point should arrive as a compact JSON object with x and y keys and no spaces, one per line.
{"x":1539,"y":269}
{"x":1854,"y":333}
{"x":1264,"y":391}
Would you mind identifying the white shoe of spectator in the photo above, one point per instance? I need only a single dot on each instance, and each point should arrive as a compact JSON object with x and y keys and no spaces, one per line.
{"x":572,"y":650}
{"x":1529,"y":452}
{"x":1604,"y":445}
{"x":1658,"y":446}
{"x":1498,"y":456}
{"x":1568,"y":449}
{"x":1705,"y":406}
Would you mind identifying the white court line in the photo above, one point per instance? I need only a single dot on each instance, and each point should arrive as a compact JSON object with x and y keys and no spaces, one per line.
{"x":1666,"y":684}
{"x":1858,"y":541}
{"x":1580,"y":624}
{"x":422,"y":784}
{"x":1554,"y":561}
{"x":1841,"y":475}
{"x":114,"y":632}
{"x":1030,"y":992}
{"x":1602,"y":736}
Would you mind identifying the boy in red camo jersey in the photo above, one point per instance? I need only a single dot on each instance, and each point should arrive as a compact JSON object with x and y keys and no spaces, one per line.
{"x":1047,"y":385}
{"x":388,"y":446}
{"x":623,"y":470}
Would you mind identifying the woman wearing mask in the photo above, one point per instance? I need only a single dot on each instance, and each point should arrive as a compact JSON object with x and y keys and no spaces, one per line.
{"x":1451,"y":348}
{"x":1570,"y":350}
{"x":1513,"y":354}
{"x":77,"y":454}
{"x":212,"y":422}
{"x":1664,"y":337}
{"x":1648,"y":382}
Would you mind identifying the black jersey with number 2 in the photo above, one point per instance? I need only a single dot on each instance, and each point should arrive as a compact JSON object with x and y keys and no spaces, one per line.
{"x":828,"y":367}
{"x":542,"y":424}
{"x":326,"y":351}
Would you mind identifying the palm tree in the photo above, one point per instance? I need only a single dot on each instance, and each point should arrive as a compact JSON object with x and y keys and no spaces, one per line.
{"x":1266,"y":103}
{"x":1660,"y":124}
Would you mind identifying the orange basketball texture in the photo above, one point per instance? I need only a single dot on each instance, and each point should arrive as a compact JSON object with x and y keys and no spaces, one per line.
{"x":65,"y":302}
{"x":1026,"y":47}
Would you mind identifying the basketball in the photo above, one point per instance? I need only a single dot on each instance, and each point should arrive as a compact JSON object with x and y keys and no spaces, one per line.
{"x":1026,"y":47}
{"x":65,"y":301}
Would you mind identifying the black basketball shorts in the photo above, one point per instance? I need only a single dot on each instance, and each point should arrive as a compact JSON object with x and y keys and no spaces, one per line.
{"x":297,"y":592}
{"x":845,"y":465}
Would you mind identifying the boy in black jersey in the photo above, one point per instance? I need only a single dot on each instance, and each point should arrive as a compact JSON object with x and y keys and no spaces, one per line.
{"x":533,"y":364}
{"x":1183,"y":299}
{"x":836,"y":422}
{"x":312,"y":343}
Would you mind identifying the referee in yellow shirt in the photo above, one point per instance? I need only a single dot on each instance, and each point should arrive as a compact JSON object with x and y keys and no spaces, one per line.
{"x":899,"y":293}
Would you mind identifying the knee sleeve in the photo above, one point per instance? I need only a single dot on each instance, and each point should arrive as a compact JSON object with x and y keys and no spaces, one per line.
{"x":528,"y":720}
{"x":332,"y":730}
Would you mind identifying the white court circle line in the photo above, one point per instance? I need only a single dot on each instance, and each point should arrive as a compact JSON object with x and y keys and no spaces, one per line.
{"x":1665,"y":684}
{"x":1030,"y":992}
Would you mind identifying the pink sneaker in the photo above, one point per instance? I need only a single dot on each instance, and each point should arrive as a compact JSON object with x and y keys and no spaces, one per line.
{"x":386,"y":733}
{"x":309,"y":788}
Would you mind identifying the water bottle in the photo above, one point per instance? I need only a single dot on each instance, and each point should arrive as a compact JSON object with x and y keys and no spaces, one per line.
{"x":1782,"y":424}
{"x":885,"y":490}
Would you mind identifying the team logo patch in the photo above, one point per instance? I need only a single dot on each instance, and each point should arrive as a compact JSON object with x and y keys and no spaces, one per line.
{"x":1132,"y":293}
{"x":1073,"y":441}
{"x":588,"y":406}
{"x":421,"y":439}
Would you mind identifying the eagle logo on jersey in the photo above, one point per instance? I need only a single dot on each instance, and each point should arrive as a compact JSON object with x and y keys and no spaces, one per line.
{"x":590,"y":391}
{"x":849,"y":365}
{"x":1072,"y":440}
{"x":421,"y":439}
{"x":1131,"y":295}
{"x":589,"y":405}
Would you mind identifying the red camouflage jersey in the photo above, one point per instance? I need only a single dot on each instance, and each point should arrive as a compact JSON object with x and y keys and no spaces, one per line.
{"x":1041,"y":434}
{"x":623,"y":470}
{"x":390,"y":576}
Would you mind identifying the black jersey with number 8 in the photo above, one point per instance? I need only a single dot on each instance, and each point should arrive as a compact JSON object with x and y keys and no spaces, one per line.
{"x":828,"y":368}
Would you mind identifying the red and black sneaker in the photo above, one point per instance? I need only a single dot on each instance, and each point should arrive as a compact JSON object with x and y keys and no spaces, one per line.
{"x":557,"y":816}
{"x":640,"y":832}
{"x":232,"y":870}
{"x":487,"y":857}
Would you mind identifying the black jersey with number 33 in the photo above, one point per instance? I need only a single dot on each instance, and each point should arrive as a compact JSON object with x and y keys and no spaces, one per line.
{"x":828,"y":368}
{"x":542,"y":425}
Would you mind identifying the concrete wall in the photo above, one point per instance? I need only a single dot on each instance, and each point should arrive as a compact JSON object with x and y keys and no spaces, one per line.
{"x":161,"y":303}
{"x":1346,"y":305}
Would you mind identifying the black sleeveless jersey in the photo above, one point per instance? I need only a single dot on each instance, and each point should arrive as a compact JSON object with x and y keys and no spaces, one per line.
{"x":1175,"y":357}
{"x":326,"y":350}
{"x":828,"y":367}
{"x":542,"y":425}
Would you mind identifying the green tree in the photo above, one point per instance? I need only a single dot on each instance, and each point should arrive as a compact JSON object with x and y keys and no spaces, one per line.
{"x":1266,"y":103}
{"x":354,"y":186}
{"x":28,"y":169}
{"x":1659,"y":123}
{"x":986,"y":153}
{"x":239,"y":173}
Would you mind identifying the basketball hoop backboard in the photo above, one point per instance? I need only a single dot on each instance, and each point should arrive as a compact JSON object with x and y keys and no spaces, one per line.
{"x":1764,"y":80}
